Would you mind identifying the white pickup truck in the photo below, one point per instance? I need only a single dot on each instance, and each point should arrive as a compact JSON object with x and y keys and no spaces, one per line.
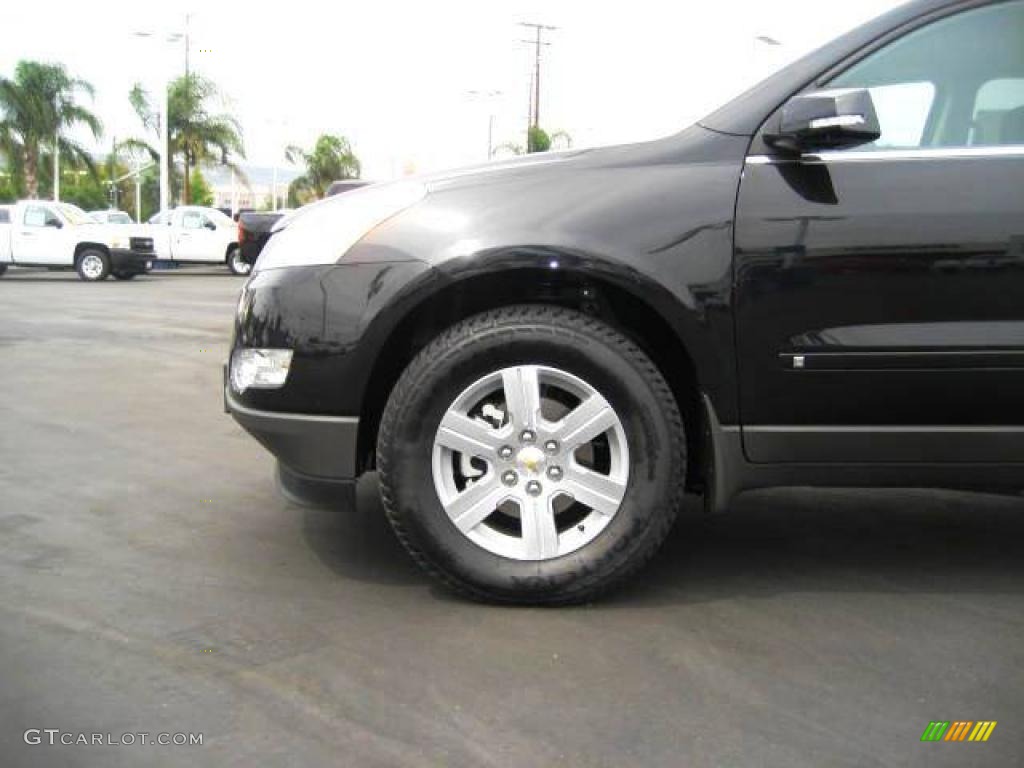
{"x":40,"y":233}
{"x":192,"y":234}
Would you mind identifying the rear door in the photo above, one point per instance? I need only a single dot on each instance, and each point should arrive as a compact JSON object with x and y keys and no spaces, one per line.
{"x":880,"y":289}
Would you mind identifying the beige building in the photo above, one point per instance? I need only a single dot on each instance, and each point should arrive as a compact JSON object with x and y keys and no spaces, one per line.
{"x":255,"y":190}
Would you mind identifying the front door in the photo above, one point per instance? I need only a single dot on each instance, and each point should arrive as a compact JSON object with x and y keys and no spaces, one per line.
{"x":37,"y":238}
{"x":195,"y":238}
{"x":880,"y":289}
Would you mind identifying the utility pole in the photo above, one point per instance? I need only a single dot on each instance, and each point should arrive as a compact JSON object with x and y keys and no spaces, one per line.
{"x":537,"y":42}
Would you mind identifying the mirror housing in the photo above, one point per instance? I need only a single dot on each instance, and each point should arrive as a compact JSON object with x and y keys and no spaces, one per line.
{"x":826,"y":120}
{"x":55,"y":223}
{"x":210,"y":226}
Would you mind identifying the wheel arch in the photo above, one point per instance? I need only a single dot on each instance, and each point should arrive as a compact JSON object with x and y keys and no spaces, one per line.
{"x":81,"y":248}
{"x":620,"y":299}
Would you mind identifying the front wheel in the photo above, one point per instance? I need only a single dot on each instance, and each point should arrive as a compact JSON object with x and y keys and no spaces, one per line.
{"x":236,"y":264}
{"x":531,"y":454}
{"x":93,"y":265}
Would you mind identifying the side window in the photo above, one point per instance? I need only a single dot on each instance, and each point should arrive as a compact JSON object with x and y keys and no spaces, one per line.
{"x":957,"y":82}
{"x":40,"y":216}
{"x":903,"y":111}
{"x":999,"y":113}
{"x":193,"y":220}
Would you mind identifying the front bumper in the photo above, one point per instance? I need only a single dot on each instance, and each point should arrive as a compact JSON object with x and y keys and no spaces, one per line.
{"x":128,"y":261}
{"x":315,"y":448}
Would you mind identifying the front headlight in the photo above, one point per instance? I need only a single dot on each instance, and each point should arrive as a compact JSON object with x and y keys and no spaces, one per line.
{"x":259,"y":368}
{"x":323,"y":232}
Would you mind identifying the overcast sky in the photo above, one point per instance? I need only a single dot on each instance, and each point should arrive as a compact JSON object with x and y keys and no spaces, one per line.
{"x":394,"y":76}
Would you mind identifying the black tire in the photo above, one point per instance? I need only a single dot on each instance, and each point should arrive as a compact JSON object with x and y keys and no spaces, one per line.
{"x":235,"y":263}
{"x":125,"y":275}
{"x":532,"y":335}
{"x":85,"y":262}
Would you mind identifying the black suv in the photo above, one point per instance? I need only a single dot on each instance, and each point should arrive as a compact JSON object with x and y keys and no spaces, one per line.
{"x":822,"y":283}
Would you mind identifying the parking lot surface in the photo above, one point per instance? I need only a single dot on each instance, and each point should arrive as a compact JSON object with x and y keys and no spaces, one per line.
{"x":152,"y":580}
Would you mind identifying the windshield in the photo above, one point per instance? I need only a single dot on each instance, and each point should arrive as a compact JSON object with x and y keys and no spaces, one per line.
{"x":74,"y":215}
{"x":119,"y":218}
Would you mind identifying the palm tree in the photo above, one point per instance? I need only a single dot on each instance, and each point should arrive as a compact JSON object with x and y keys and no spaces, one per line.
{"x":37,"y":106}
{"x":332,"y":159}
{"x":194,"y":133}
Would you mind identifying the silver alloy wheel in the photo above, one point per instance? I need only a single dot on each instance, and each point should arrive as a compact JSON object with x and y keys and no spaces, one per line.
{"x":530,"y":462}
{"x":238,"y":266}
{"x":92,"y":266}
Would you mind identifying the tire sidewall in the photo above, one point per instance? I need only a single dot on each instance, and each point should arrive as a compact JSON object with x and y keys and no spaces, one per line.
{"x":103,"y":257}
{"x":235,"y":263}
{"x":627,"y":388}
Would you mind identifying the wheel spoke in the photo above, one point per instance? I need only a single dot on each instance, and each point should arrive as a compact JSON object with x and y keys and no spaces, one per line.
{"x":599,"y":492}
{"x":476,"y":503}
{"x":465,"y":435}
{"x":586,"y":421}
{"x":540,"y":536}
{"x":483,"y":462}
{"x":522,"y":395}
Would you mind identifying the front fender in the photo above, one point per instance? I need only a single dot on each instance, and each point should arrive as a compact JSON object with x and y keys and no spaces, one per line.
{"x":667,"y":243}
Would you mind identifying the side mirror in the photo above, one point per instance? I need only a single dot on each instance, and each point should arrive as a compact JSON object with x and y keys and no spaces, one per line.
{"x":55,"y":223}
{"x":211,"y":226}
{"x":826,"y":120}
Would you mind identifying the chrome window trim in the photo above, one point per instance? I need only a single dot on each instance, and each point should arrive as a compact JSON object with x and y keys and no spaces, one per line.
{"x":853,"y":156}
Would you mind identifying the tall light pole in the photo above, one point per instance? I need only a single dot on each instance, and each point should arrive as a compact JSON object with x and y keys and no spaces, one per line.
{"x":56,"y":149}
{"x":138,"y":193}
{"x":489,"y":97}
{"x":165,"y":158}
{"x":279,"y":127}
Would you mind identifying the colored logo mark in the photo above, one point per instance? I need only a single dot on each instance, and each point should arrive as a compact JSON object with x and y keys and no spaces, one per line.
{"x":958,"y":730}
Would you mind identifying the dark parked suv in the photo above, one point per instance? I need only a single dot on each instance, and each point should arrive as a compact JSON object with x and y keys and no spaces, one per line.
{"x":822,"y":283}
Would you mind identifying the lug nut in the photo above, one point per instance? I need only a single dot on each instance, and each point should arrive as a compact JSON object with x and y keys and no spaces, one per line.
{"x":555,"y":473}
{"x":551,"y":446}
{"x":506,"y":452}
{"x":509,"y":477}
{"x":533,"y":488}
{"x":528,"y":436}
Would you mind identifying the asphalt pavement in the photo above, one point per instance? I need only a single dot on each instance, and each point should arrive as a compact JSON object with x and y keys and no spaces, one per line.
{"x":152,"y":581}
